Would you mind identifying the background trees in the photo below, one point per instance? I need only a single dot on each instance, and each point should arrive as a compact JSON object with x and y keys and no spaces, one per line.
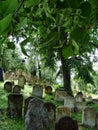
{"x":57,"y":30}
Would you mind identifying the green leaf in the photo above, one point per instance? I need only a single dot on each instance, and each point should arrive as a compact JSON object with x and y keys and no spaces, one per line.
{"x":70,"y":50}
{"x":80,"y":35}
{"x":7,"y":7}
{"x":5,"y":24}
{"x":30,"y":3}
{"x":86,"y":9}
{"x":22,"y":23}
{"x":62,"y":4}
{"x":51,"y":38}
{"x":67,"y":51}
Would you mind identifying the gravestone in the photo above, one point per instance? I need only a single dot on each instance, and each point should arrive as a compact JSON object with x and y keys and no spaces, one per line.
{"x":36,"y":116}
{"x":21,"y":81}
{"x":79,"y":97}
{"x":48,"y":90}
{"x":8,"y":86}
{"x":38,"y":90}
{"x":15,"y":104}
{"x":51,"y":109}
{"x":60,"y":95}
{"x":66,"y":123}
{"x":16,"y":89}
{"x":26,"y":103}
{"x":80,"y":106}
{"x":63,"y":111}
{"x":89,"y":117}
{"x":69,"y":102}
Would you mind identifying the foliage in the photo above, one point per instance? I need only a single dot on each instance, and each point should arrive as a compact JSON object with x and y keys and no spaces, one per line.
{"x":53,"y":28}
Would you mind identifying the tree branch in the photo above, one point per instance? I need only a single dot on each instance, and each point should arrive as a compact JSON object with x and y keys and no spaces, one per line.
{"x":16,"y":11}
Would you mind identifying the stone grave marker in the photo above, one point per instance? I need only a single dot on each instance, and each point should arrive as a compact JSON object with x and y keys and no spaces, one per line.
{"x":48,"y":90}
{"x":26,"y":103}
{"x":8,"y":86}
{"x":21,"y":81}
{"x":60,"y":95}
{"x":15,"y":104}
{"x":63,"y":111}
{"x":16,"y":89}
{"x":79,"y":97}
{"x":66,"y":123}
{"x":69,"y":102}
{"x":80,"y":106}
{"x":38,"y":90}
{"x":89,"y":117}
{"x":51,"y":109}
{"x":36,"y":116}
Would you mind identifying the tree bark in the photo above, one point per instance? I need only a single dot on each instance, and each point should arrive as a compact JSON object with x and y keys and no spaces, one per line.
{"x":66,"y":75}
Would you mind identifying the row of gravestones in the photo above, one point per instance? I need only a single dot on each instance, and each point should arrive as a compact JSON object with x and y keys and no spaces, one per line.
{"x":77,"y":104}
{"x":15,"y":108}
{"x":10,"y":87}
{"x":16,"y":103}
{"x":37,"y":89}
{"x":38,"y":114}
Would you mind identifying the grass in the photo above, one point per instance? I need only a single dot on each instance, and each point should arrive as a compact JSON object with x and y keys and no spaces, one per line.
{"x":19,"y":124}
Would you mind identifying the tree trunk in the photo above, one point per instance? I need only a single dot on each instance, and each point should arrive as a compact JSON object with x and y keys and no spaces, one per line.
{"x":66,"y":75}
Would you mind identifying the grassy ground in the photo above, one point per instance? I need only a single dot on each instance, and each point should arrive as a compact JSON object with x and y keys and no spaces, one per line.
{"x":18,"y":124}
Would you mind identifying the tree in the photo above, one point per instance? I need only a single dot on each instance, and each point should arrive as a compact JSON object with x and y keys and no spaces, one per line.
{"x":64,"y":29}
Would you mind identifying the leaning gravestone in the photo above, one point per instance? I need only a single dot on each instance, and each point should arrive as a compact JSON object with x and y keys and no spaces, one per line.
{"x":66,"y":123}
{"x":15,"y":104}
{"x":26,"y":103}
{"x":38,"y":90}
{"x":89,"y":117}
{"x":51,"y":109}
{"x":36,"y":116}
{"x":8,"y":86}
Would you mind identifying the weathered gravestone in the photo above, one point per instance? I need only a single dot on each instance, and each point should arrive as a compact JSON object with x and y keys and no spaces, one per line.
{"x":26,"y":103}
{"x":36,"y":116}
{"x":8,"y":86}
{"x":21,"y":81}
{"x":80,"y":106}
{"x":51,"y":109}
{"x":62,"y":111}
{"x":79,"y":97}
{"x":48,"y":90}
{"x":15,"y":104}
{"x":16,"y":89}
{"x":89,"y":117}
{"x":60,"y":95}
{"x":38,"y":90}
{"x":69,"y":102}
{"x":66,"y":123}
